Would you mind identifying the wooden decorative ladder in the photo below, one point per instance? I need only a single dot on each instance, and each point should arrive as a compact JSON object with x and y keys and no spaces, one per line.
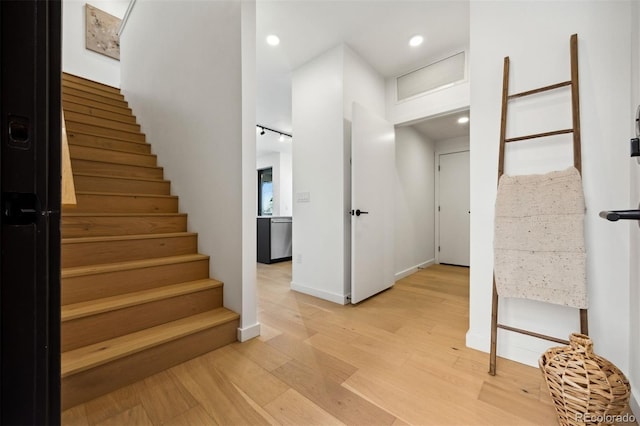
{"x":136,"y":295}
{"x":577,"y":163}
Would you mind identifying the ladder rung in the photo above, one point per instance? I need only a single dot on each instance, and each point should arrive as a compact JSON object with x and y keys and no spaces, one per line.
{"x":532,"y":334}
{"x":539,"y":135}
{"x":541,"y":89}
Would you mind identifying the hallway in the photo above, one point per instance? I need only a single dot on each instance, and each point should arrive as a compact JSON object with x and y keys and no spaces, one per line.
{"x":398,"y":358}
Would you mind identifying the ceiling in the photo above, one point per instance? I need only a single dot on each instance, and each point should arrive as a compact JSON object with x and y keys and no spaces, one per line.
{"x":377,"y":30}
{"x":443,"y":126}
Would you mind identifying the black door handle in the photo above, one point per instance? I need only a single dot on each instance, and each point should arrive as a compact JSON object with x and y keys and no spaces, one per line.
{"x":358,"y":212}
{"x":615,"y":215}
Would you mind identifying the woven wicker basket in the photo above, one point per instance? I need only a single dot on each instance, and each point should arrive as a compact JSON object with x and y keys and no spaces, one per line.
{"x":586,"y":389}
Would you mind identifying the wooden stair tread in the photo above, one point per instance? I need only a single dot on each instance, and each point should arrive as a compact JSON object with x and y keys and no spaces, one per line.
{"x":104,"y":161}
{"x":93,"y":307}
{"x":75,"y":78}
{"x":89,"y":151}
{"x":122,"y":151}
{"x":83,"y":132}
{"x":80,"y":240}
{"x":91,"y":356}
{"x":100,"y":175}
{"x":72,"y":123}
{"x":94,"y":111}
{"x":78,"y":271}
{"x":124,"y":194}
{"x":89,"y":214}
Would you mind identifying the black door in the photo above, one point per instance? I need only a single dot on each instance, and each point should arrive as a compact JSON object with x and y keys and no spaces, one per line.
{"x":30,"y":219}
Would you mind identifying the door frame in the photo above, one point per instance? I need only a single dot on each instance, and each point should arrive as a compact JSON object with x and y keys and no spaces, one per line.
{"x":436,"y":182}
{"x":30,"y":221}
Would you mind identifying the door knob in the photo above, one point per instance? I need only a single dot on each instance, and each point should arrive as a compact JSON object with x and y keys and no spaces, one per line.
{"x":615,"y":215}
{"x":358,"y":212}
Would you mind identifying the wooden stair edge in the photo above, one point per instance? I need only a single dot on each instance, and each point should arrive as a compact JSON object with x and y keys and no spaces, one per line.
{"x":131,"y":214}
{"x":83,"y":132}
{"x":90,"y":82}
{"x":103,"y":176}
{"x":128,"y":114}
{"x":119,"y":151}
{"x":80,"y":240}
{"x":124,"y":194}
{"x":79,"y":271}
{"x":72,"y":122}
{"x":120,"y":164}
{"x":113,"y":303}
{"x":85,"y":358}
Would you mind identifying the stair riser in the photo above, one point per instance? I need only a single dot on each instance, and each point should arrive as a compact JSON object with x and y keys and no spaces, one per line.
{"x":96,"y":226}
{"x":89,"y":83}
{"x":105,"y":131}
{"x":92,"y":90}
{"x":112,"y":169}
{"x":104,"y":122}
{"x":80,"y":152}
{"x":95,"y":104}
{"x":124,"y":186}
{"x":91,"y":253}
{"x":99,"y":285}
{"x":90,"y":203}
{"x":108,"y":325}
{"x":92,"y":383}
{"x":98,"y":98}
{"x":107,"y":143}
{"x":98,"y":113}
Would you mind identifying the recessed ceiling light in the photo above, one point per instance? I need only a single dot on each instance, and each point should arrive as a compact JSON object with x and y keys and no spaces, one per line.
{"x":273,"y":40}
{"x":463,"y":120}
{"x":416,"y":40}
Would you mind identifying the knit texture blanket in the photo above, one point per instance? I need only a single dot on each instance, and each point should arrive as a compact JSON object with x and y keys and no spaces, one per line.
{"x":539,"y":238}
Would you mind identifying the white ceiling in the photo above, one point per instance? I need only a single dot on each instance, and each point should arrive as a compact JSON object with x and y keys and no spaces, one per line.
{"x":378,"y":30}
{"x":443,"y":126}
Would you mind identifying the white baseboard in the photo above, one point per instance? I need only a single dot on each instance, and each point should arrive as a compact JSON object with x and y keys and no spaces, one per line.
{"x":400,"y":275}
{"x":331,"y":297}
{"x":248,"y":333}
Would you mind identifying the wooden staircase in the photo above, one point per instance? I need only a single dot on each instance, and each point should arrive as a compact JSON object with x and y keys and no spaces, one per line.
{"x":136,"y":295}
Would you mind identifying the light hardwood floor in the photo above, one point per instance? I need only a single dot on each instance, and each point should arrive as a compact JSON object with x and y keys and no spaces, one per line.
{"x":398,"y":358}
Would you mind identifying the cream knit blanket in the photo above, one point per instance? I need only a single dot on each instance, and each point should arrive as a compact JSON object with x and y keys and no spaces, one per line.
{"x":539,"y":238}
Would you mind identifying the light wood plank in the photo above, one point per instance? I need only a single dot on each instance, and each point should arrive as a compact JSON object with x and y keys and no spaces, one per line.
{"x":118,"y":321}
{"x":87,"y":139}
{"x":133,"y":416}
{"x":103,"y":224}
{"x":115,"y":169}
{"x":122,"y":248}
{"x":293,"y":409}
{"x":85,"y":182}
{"x":105,"y":131}
{"x":80,"y":152}
{"x":66,"y":77}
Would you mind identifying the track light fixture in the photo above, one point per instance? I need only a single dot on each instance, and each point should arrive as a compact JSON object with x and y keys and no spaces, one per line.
{"x":282,"y":134}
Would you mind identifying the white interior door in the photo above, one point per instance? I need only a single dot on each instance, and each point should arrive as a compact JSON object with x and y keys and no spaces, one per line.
{"x":454,"y":208}
{"x":372,"y":201}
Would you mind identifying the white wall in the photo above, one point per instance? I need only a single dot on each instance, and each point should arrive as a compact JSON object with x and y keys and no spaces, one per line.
{"x":323,"y":91}
{"x":634,"y":290}
{"x":76,"y":59}
{"x":249,"y":326}
{"x":318,"y":158}
{"x":539,"y":58}
{"x":280,"y":162}
{"x":201,"y":124}
{"x":415,"y":212}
